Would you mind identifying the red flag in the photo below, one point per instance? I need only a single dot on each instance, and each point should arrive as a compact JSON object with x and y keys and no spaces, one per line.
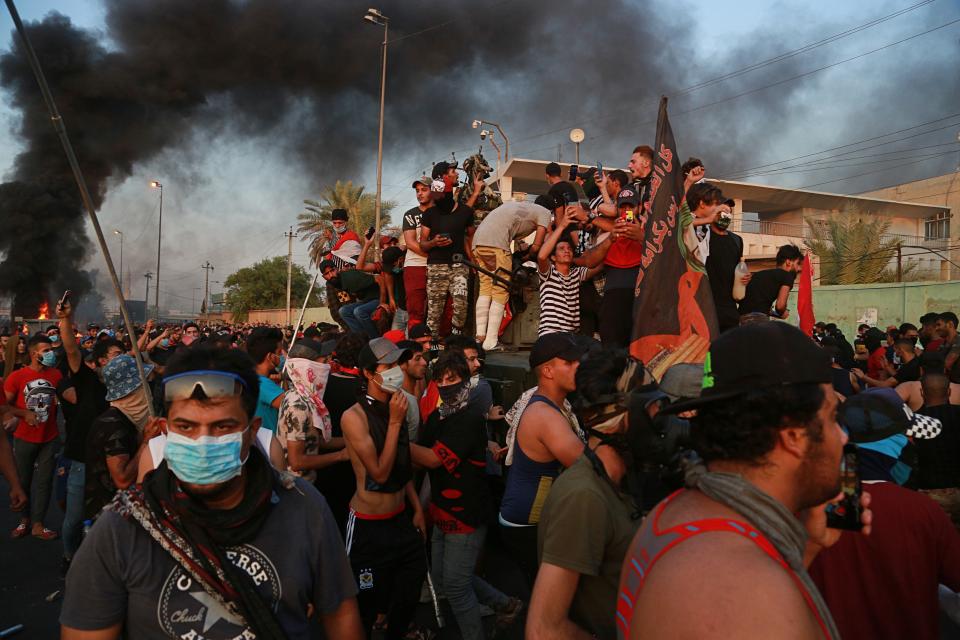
{"x":805,"y":298}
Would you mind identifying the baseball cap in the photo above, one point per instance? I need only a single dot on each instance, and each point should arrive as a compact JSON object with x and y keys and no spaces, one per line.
{"x":555,"y":345}
{"x":682,"y":381}
{"x":628,"y":197}
{"x":877,"y":414}
{"x":420,"y":330}
{"x":424,"y":180}
{"x":378,"y":351}
{"x":755,"y":356}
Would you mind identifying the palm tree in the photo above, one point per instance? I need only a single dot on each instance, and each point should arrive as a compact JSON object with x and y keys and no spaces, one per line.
{"x":361,"y":214}
{"x":853,"y":251}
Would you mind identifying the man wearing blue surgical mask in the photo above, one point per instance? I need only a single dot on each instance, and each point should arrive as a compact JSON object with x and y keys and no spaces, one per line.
{"x":33,"y":388}
{"x":204,"y":547}
{"x":265,"y":347}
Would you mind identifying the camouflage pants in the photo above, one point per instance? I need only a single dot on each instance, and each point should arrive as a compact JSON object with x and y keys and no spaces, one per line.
{"x":443,"y":279}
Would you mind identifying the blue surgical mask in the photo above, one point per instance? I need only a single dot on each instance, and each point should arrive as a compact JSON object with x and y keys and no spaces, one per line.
{"x":205,"y":460}
{"x":54,"y":338}
{"x":165,"y":343}
{"x":283,"y":361}
{"x":49,"y":358}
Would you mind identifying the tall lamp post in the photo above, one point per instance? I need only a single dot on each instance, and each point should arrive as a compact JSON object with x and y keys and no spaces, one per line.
{"x":117,"y":232}
{"x":506,"y":140}
{"x":156,"y":285}
{"x":373,"y":16}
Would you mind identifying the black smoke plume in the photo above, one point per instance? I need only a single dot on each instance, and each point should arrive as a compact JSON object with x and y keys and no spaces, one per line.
{"x":304,"y":74}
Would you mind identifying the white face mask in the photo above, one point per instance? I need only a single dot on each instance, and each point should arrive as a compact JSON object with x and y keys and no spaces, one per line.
{"x":391,"y":380}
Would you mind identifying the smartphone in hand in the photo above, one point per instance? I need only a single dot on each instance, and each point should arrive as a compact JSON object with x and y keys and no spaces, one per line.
{"x":846,"y":513}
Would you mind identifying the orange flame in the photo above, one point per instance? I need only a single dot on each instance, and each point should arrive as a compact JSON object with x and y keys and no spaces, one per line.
{"x":42,"y":313}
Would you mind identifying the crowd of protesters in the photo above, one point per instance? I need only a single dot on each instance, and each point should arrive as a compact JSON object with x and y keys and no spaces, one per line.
{"x":268,"y":479}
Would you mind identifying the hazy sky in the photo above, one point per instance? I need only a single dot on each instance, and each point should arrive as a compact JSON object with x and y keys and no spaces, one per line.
{"x":229,"y":195}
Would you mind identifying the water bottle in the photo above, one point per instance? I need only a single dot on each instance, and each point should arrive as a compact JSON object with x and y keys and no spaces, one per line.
{"x":740,"y":289}
{"x":87,"y":525}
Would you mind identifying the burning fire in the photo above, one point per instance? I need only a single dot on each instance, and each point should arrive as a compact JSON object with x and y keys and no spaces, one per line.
{"x":42,"y":313}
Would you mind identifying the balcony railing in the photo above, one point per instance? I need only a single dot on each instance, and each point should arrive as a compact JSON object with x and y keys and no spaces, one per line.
{"x":792,"y":230}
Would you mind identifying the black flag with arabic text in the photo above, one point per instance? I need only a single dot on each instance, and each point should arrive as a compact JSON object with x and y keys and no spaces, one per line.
{"x":673,"y":307}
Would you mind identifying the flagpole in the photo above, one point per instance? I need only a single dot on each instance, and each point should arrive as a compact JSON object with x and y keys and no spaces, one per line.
{"x":61,"y":130}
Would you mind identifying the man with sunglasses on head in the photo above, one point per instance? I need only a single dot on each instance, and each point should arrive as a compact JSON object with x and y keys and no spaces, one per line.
{"x":211,"y":544}
{"x":384,"y":540}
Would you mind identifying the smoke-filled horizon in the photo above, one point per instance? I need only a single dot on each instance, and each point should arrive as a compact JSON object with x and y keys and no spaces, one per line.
{"x":178,"y":87}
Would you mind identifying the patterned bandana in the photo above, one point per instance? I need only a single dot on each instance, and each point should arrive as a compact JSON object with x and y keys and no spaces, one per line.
{"x":309,"y":379}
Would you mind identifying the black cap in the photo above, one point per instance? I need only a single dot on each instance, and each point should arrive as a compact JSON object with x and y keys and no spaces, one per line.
{"x":311,"y":332}
{"x":391,"y":255}
{"x":877,"y":414}
{"x":628,"y":197}
{"x":563,"y":193}
{"x":555,"y":345}
{"x":764,"y":354}
{"x":338,"y":214}
{"x":420,"y":330}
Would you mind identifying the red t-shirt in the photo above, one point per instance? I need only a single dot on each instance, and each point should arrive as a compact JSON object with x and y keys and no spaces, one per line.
{"x":875,"y":362}
{"x":37,"y":391}
{"x":885,"y":585}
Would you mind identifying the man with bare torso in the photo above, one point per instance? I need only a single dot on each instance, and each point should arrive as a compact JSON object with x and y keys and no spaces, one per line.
{"x":384,"y":541}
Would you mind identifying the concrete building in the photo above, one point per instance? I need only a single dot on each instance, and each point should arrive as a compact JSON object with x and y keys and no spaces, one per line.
{"x":768,"y":217}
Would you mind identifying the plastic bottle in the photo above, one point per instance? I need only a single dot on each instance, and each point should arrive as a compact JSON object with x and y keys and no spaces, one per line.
{"x":740,"y":289}
{"x":87,"y":525}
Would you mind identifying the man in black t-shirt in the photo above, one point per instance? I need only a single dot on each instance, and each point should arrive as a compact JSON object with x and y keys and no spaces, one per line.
{"x":770,"y":287}
{"x":726,"y":251}
{"x":446,"y":229}
{"x":909,"y":370}
{"x":363,"y":287}
{"x":453,"y":447}
{"x":82,"y":405}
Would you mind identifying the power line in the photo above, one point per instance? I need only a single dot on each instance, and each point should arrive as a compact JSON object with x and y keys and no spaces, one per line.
{"x":801,"y":75}
{"x":858,"y":175}
{"x":857,"y":142}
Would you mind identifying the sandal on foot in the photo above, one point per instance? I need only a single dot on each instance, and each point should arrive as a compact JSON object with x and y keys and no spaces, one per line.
{"x":46,"y":534}
{"x":21,"y":530}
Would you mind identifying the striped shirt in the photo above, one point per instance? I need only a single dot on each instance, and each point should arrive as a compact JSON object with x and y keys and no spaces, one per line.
{"x":560,"y":300}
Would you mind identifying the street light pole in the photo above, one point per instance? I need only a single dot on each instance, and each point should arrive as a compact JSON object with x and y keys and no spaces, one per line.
{"x":156,"y":185}
{"x":373,"y":16}
{"x":120,"y":233}
{"x":506,"y":140}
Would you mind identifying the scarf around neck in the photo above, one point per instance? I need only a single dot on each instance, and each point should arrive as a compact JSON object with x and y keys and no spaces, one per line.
{"x":770,"y":517}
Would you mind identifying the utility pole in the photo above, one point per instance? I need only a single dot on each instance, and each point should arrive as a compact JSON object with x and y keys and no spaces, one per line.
{"x":156,"y":185}
{"x":205,"y":307}
{"x":899,"y":262}
{"x":146,"y":296}
{"x":290,"y":236}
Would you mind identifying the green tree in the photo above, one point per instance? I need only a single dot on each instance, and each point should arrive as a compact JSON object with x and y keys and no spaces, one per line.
{"x":264,"y":286}
{"x":361,"y":213}
{"x":854,"y":251}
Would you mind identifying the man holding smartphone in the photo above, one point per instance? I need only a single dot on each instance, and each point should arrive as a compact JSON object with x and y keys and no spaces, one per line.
{"x":446,"y":229}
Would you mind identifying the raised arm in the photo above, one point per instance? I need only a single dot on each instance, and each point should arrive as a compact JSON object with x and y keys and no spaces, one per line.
{"x":357,"y":434}
{"x":560,"y":228}
{"x":68,"y":336}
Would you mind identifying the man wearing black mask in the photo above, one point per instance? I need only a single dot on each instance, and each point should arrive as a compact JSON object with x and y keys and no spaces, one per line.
{"x":726,"y":251}
{"x":204,"y":547}
{"x":446,"y":229}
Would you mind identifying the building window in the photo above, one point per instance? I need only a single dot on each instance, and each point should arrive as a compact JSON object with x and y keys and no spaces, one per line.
{"x":937,"y":227}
